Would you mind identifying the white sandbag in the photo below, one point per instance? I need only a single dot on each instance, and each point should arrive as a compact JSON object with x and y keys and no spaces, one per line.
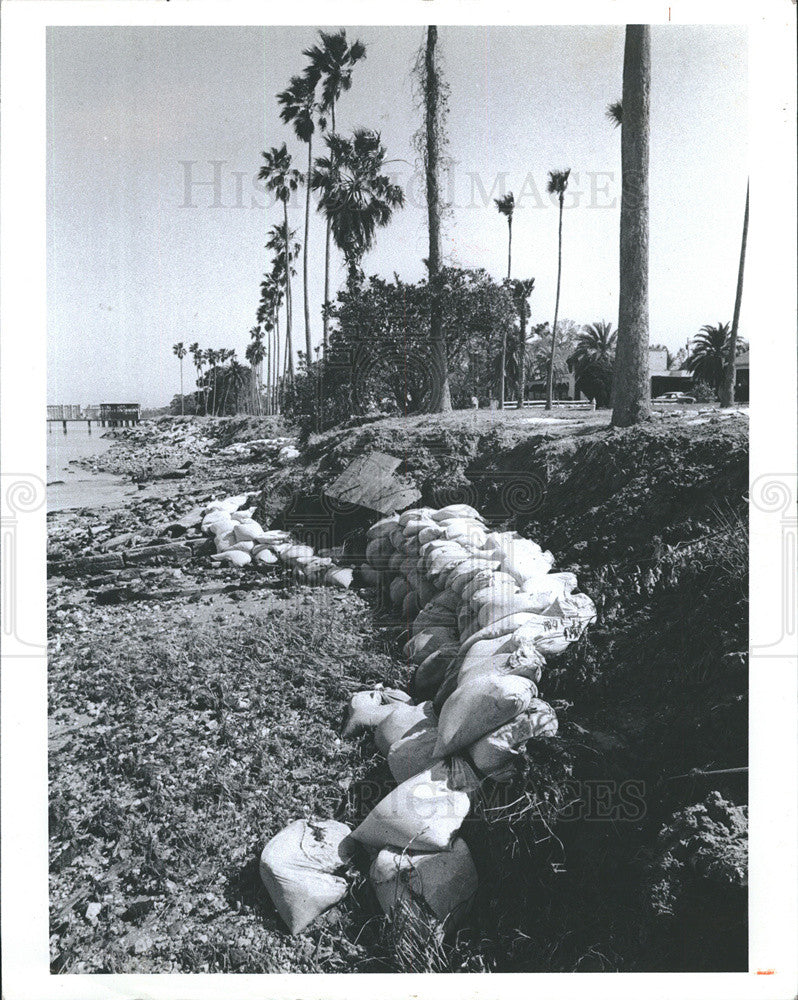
{"x":478,"y":707}
{"x":339,"y":576}
{"x":430,"y":533}
{"x":415,"y":514}
{"x":419,"y":646}
{"x":496,"y":590}
{"x":410,"y":606}
{"x":383,"y":527}
{"x":366,"y":708}
{"x":401,"y":721}
{"x":494,"y":754}
{"x":508,"y":654}
{"x":248,"y":531}
{"x":455,"y":510}
{"x":412,"y":528}
{"x":524,"y":559}
{"x":560,"y":584}
{"x":504,"y":626}
{"x":469,"y":569}
{"x":243,"y":515}
{"x":443,"y":560}
{"x":433,"y":614}
{"x":217,"y":522}
{"x":486,"y":578}
{"x":241,"y":547}
{"x":225,"y":541}
{"x":424,"y":813}
{"x":504,"y":604}
{"x":263,"y":556}
{"x":293,"y":552}
{"x":415,"y":751}
{"x":445,"y":881}
{"x":299,"y":869}
{"x":275,"y":536}
{"x":232,"y":558}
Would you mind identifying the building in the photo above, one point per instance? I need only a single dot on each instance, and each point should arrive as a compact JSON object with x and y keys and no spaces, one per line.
{"x":741,"y":378}
{"x":64,"y":411}
{"x":115,"y":414}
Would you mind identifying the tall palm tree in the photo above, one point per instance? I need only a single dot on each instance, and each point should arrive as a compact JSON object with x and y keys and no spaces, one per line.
{"x":506,"y":207}
{"x":355,"y":195}
{"x":180,"y":350}
{"x":198,"y":358}
{"x":558,"y":183}
{"x":727,"y":386}
{"x":331,"y":64}
{"x":710,"y":353}
{"x":211,"y":359}
{"x":285,"y":248}
{"x":255,"y":353}
{"x":596,"y":341}
{"x":282,"y":179}
{"x":522,"y":289}
{"x":299,"y":106}
{"x":631,"y":385}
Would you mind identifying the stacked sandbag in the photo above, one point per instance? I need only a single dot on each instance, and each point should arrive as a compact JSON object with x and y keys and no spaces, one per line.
{"x":240,"y":541}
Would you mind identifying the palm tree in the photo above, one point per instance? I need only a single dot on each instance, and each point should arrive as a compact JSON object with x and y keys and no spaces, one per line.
{"x":727,"y":386}
{"x":285,"y":248}
{"x":180,"y":350}
{"x":558,"y":182}
{"x":596,"y":341}
{"x":282,"y":179}
{"x":255,"y":353}
{"x":710,"y":354}
{"x":198,"y":357}
{"x":631,"y":386}
{"x":505,"y":206}
{"x":331,"y":65}
{"x":211,"y":358}
{"x":299,"y":106}
{"x":355,"y":195}
{"x":522,"y":289}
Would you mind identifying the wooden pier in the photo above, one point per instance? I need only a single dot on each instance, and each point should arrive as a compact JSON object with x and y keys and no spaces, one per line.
{"x":106,"y":415}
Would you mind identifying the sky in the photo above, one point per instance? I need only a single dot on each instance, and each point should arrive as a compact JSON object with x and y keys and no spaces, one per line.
{"x":157,"y":228}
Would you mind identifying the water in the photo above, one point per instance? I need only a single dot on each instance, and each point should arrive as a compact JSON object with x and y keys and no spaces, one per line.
{"x":69,"y":487}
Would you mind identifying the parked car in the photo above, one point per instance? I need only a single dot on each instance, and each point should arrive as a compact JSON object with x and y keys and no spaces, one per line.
{"x":674,"y":397}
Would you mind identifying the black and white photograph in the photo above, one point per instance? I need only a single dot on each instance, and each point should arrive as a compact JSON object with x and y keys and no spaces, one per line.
{"x":401,"y":616}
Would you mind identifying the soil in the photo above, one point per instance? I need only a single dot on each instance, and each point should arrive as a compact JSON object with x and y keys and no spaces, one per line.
{"x":195,"y":711}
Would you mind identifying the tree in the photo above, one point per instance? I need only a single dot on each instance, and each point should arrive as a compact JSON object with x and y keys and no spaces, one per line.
{"x":596,"y":340}
{"x":434,"y":136}
{"x":558,"y":182}
{"x":710,"y":353}
{"x":180,"y":350}
{"x":727,"y":385}
{"x":282,"y":180}
{"x":255,"y":353}
{"x":631,"y":387}
{"x":522,"y":289}
{"x":355,"y":195}
{"x":331,"y":65}
{"x":298,"y":103}
{"x":284,"y":246}
{"x":506,"y":207}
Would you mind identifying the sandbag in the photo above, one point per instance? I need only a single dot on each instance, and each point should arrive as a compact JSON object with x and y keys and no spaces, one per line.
{"x":294,"y":552}
{"x":217,"y":522}
{"x":410,"y":606}
{"x":399,"y":590}
{"x":502,"y":605}
{"x":478,"y":707}
{"x":419,"y":646}
{"x":494,"y":754}
{"x":382,"y":527}
{"x":397,"y":539}
{"x":426,"y":591}
{"x":243,"y":515}
{"x":396,"y":561}
{"x":433,"y":614}
{"x":447,"y":688}
{"x":455,"y":510}
{"x":263,"y":554}
{"x":415,"y":751}
{"x":562,"y":583}
{"x":485,"y":579}
{"x":412,"y":528}
{"x":275,"y":536}
{"x":241,"y":547}
{"x":424,"y":813}
{"x":371,"y":577}
{"x":444,"y":881}
{"x":431,"y":671}
{"x":366,"y":708}
{"x":399,"y":722}
{"x":232,"y":558}
{"x":299,"y":868}
{"x":339,"y":576}
{"x":505,"y":655}
{"x":378,"y":551}
{"x":414,"y":514}
{"x":248,"y":531}
{"x":225,"y":541}
{"x":430,"y":533}
{"x":504,"y":626}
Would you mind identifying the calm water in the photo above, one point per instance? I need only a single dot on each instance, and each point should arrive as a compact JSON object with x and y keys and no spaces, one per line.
{"x":69,"y":487}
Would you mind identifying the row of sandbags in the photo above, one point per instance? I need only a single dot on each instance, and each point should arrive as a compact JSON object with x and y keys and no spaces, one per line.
{"x":240,"y":541}
{"x":484,"y":611}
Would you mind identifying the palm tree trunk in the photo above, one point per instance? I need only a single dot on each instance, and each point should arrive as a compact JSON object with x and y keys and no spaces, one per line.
{"x":305,"y":256}
{"x":509,"y":245}
{"x":182,"y":401}
{"x":550,"y":384}
{"x":441,"y":401}
{"x":522,"y":356}
{"x":327,"y":239}
{"x":631,"y":385}
{"x":503,"y":368}
{"x":288,"y":305}
{"x":727,"y":388}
